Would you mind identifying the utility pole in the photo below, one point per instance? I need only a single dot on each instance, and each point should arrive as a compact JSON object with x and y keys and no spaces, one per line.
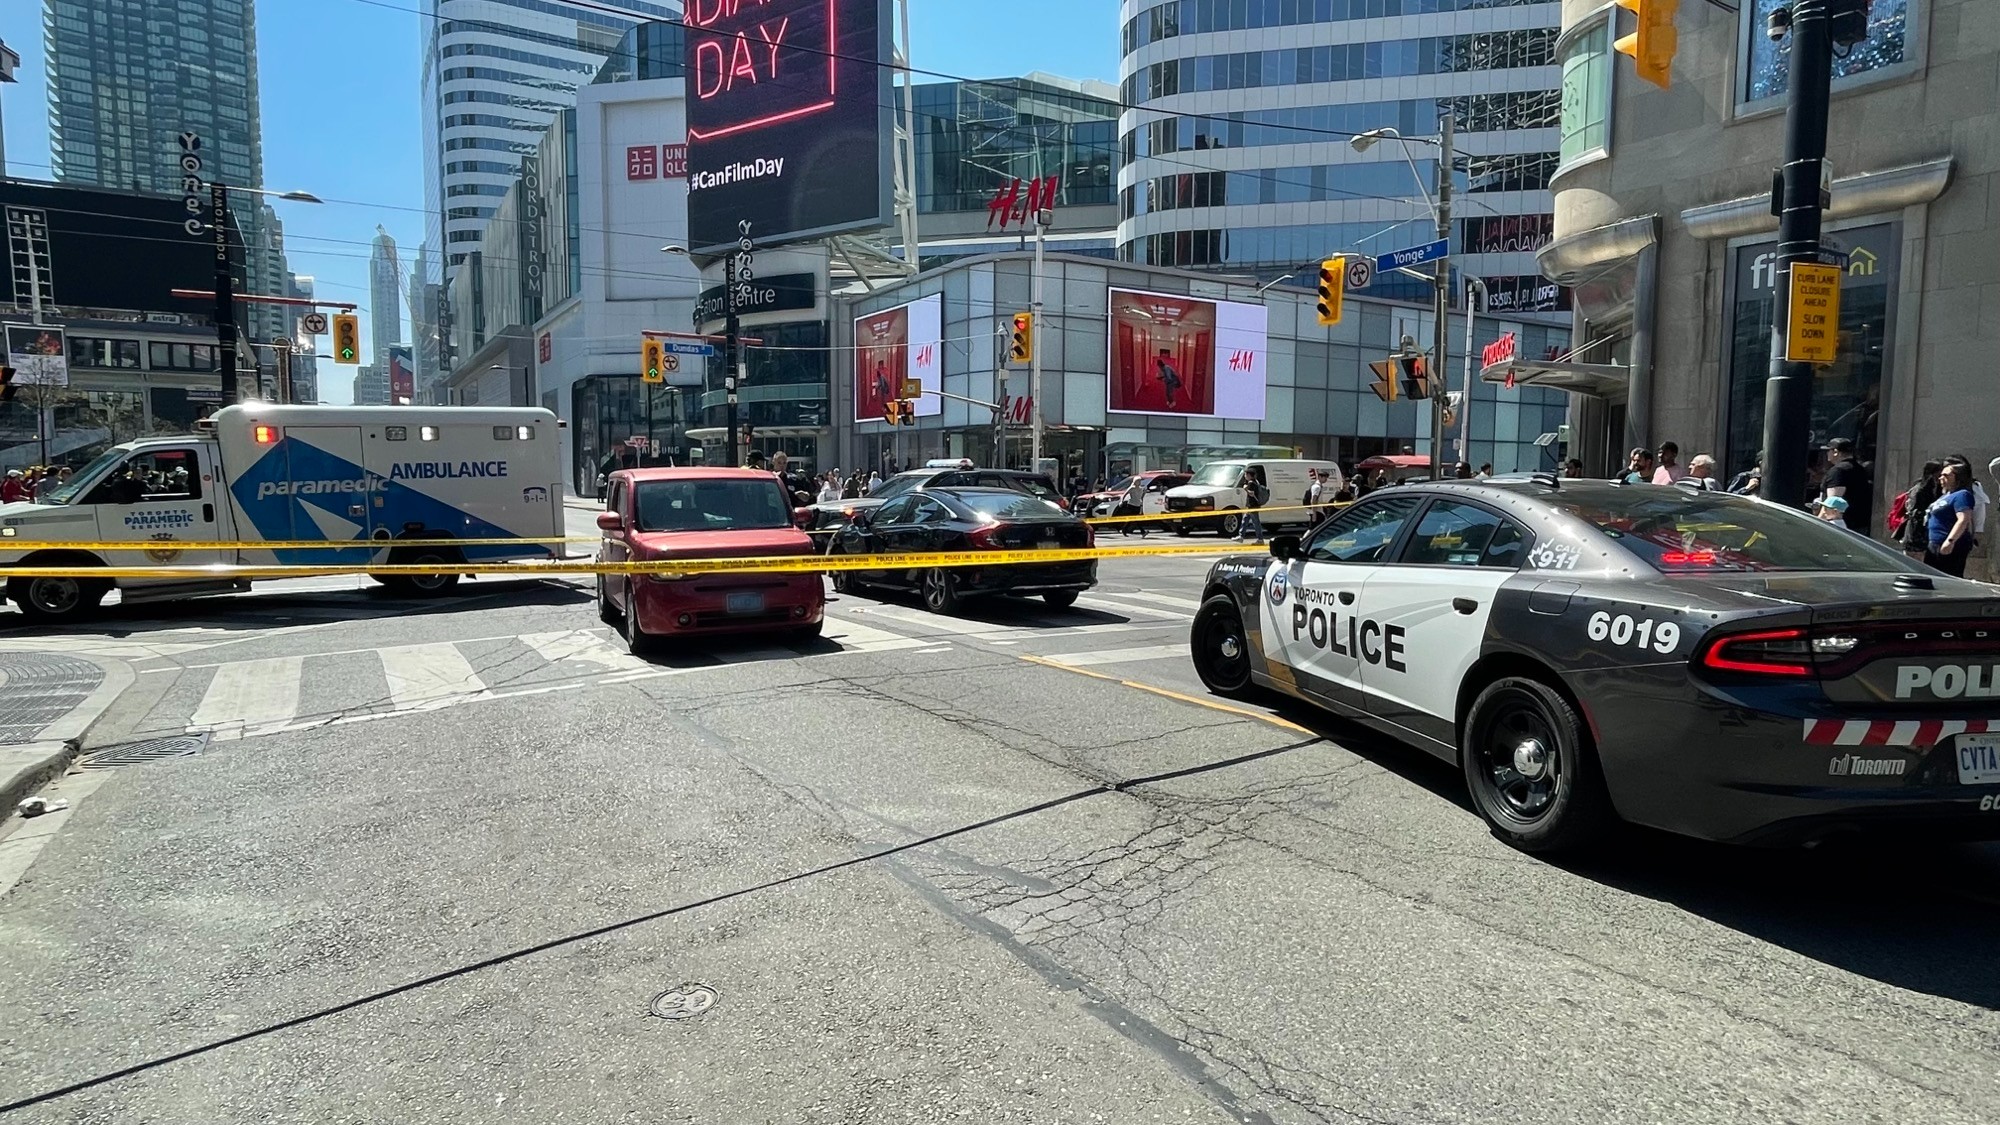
{"x":735,"y":271}
{"x":1815,"y":26}
{"x":1042,"y":219}
{"x":1442,"y":297}
{"x":1465,"y":385}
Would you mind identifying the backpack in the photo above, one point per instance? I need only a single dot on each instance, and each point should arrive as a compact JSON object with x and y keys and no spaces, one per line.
{"x":1897,"y":514}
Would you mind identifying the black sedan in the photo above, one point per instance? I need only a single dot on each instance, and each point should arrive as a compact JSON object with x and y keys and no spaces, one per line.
{"x":822,"y":518}
{"x":1588,"y":652}
{"x":967,"y":519}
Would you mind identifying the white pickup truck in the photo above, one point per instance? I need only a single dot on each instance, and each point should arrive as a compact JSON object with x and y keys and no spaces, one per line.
{"x":262,"y":473}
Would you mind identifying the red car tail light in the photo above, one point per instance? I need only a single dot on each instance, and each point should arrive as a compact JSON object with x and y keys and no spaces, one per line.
{"x":1772,"y":652}
{"x":983,"y":537}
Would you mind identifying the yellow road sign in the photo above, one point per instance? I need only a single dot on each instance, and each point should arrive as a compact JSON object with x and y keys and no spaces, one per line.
{"x":1812,"y":332}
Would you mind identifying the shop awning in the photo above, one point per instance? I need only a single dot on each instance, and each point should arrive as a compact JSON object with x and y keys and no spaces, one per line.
{"x":1605,"y":380}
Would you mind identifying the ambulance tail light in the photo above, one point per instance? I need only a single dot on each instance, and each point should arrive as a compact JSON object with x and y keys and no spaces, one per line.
{"x":1769,"y":652}
{"x":264,"y":435}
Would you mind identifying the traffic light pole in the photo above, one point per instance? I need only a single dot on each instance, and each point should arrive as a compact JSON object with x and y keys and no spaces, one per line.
{"x":1442,"y":298}
{"x":1788,"y":393}
{"x":732,"y":334}
{"x":1041,"y":219}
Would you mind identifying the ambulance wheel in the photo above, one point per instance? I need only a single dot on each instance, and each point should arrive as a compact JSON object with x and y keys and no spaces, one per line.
{"x":1230,"y":525}
{"x":425,"y":585}
{"x":56,"y":601}
{"x":1531,"y":769}
{"x":1220,"y":647}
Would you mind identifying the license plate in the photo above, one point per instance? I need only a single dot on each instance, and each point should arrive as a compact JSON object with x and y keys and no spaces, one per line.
{"x":744,"y":603}
{"x":1049,"y":544}
{"x":1978,"y":759}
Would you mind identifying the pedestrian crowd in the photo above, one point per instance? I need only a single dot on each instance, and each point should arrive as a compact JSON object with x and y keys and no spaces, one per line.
{"x":33,"y":484}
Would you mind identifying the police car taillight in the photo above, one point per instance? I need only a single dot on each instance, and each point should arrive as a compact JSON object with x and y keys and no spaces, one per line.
{"x":1687,"y":558}
{"x":1772,"y":652}
{"x":264,"y":435}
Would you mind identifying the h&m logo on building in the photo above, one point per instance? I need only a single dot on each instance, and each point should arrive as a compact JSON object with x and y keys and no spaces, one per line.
{"x":1243,"y":360}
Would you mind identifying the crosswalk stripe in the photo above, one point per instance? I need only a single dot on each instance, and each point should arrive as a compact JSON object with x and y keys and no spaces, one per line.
{"x":1171,"y":600}
{"x":586,"y":647}
{"x":251,"y":692}
{"x":1107,"y":604}
{"x":1118,"y":655}
{"x":963,"y":626}
{"x":866,"y":638}
{"x":426,"y":675}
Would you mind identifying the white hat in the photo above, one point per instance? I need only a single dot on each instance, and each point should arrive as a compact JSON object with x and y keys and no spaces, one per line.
{"x":13,"y":472}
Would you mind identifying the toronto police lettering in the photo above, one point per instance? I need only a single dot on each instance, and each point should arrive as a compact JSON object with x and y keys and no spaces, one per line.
{"x":148,"y":521}
{"x":1948,"y":681}
{"x":1314,"y":619}
{"x":446,"y":470}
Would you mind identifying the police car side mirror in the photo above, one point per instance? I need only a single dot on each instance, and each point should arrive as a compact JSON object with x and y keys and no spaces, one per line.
{"x":1284,"y":546}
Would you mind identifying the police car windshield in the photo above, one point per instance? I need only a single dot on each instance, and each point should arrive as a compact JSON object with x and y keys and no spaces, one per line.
{"x":1679,"y":532}
{"x":900,"y":483}
{"x":709,"y":505}
{"x":82,"y":478}
{"x":1219,"y":473}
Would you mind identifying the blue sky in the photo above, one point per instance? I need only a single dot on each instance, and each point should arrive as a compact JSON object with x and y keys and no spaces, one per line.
{"x":339,"y":90}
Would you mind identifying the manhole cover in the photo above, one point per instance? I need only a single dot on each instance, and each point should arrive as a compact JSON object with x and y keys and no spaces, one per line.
{"x":683,"y":1002}
{"x":148,"y":750}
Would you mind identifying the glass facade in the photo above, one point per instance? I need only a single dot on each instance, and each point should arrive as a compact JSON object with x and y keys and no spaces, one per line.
{"x":972,"y":137}
{"x":1766,"y":73}
{"x":1192,"y":17}
{"x":1588,"y":66}
{"x":1341,"y":62}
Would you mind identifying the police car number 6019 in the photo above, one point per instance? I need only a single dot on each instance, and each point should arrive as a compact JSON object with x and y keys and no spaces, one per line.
{"x":1663,"y":636}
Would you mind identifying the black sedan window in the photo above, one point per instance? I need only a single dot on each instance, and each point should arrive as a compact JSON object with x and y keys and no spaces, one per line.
{"x":1008,"y":505}
{"x":1362,"y":533}
{"x":1677,"y":531}
{"x":895,"y":511}
{"x":927,"y":510}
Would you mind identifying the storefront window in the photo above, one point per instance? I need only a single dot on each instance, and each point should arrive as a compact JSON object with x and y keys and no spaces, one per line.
{"x":93,"y":351}
{"x":1766,"y":70}
{"x":1586,"y":94}
{"x":1847,"y":394}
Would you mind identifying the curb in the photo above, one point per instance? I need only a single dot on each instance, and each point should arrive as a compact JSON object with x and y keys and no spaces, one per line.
{"x":28,"y":766}
{"x":118,"y":676}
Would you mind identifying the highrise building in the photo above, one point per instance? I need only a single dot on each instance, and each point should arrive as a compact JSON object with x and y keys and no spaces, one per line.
{"x":495,"y":73}
{"x":371,"y":385}
{"x":1240,"y":157}
{"x":385,"y":298}
{"x":127,"y":79}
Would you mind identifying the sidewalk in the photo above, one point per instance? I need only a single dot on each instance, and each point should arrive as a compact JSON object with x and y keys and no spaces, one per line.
{"x":47,"y":702}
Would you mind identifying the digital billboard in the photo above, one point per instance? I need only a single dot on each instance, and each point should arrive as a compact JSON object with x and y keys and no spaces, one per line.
{"x":402,"y":376}
{"x":1176,"y":354}
{"x":906,"y":342}
{"x":788,"y":117}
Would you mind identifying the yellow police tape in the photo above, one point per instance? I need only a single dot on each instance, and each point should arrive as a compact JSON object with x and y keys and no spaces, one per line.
{"x":666,"y":568}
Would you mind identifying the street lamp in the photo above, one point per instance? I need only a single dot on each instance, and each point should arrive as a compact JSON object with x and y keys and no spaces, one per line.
{"x":225,"y":283}
{"x":1441,"y":299}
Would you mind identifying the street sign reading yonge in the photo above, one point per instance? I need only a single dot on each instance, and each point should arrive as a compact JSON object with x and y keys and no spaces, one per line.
{"x":789,"y":113}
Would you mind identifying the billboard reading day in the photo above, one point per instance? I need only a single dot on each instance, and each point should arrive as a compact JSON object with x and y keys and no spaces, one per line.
{"x":788,"y":117}
{"x":1176,"y":354}
{"x":906,"y":342}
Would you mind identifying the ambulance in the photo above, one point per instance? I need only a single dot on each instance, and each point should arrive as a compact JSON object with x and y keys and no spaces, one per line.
{"x":264,"y":473}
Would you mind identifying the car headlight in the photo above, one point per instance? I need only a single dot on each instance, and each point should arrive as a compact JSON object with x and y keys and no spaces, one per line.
{"x":1205,"y":502}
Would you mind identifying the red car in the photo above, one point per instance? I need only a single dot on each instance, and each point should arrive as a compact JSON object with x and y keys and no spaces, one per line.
{"x":665,"y":514}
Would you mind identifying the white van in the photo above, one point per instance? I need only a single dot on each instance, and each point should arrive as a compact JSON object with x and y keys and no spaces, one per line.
{"x":1214,"y":489}
{"x":264,"y":473}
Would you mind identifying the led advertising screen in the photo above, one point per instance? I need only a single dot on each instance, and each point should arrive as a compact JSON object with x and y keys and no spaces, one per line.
{"x":1176,"y":354}
{"x":788,"y":119}
{"x":402,"y":377}
{"x":906,"y":342}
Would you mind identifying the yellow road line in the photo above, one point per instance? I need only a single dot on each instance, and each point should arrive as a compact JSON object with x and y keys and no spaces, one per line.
{"x":1174,"y":695}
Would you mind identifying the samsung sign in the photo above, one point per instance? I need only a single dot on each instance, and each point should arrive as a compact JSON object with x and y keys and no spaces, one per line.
{"x":788,"y":119}
{"x":776,"y":293}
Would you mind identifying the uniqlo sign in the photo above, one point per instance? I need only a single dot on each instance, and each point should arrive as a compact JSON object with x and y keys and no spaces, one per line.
{"x":674,"y":160}
{"x":642,"y":162}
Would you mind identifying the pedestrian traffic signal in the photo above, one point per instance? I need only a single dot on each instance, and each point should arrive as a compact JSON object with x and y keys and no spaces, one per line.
{"x":1332,"y":287}
{"x":652,"y":360}
{"x":892,"y":412}
{"x":1023,"y":348}
{"x":909,"y":412}
{"x":346,"y":338}
{"x":1654,"y":42}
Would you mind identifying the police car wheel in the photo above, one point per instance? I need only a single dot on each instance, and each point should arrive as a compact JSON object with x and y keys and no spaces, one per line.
{"x":1531,"y":770}
{"x":939,"y":587}
{"x":1220,"y":647}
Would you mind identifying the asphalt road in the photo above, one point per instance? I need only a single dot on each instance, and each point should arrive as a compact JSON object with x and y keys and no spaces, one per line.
{"x":437,"y":860}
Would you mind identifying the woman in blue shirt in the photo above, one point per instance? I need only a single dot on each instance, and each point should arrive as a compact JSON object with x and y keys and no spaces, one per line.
{"x":1949,"y":522}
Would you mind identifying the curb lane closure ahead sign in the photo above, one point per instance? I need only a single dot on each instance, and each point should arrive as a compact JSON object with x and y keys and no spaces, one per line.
{"x":1812,"y":332}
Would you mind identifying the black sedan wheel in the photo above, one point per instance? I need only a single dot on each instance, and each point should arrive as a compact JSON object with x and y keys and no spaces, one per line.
{"x":1531,"y":769}
{"x":940,"y":589}
{"x":1060,"y":599}
{"x":1220,"y":647}
{"x":844,"y":581}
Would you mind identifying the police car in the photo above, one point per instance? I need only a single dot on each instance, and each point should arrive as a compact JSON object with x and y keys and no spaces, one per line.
{"x":1589,"y":652}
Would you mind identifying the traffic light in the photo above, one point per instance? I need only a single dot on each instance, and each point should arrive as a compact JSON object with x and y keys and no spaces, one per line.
{"x":908,"y":412}
{"x":1654,"y":42}
{"x":652,"y":360}
{"x":1023,"y":347}
{"x":7,"y":387}
{"x":346,"y":338}
{"x":1332,"y":287}
{"x":892,"y":412}
{"x":1416,"y":377}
